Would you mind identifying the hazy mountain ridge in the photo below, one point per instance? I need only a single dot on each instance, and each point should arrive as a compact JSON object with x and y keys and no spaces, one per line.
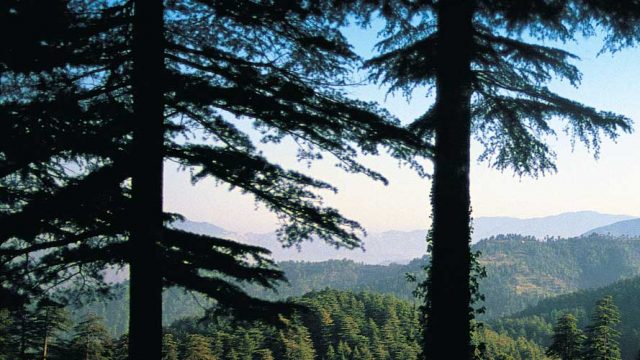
{"x":403,"y":246}
{"x":620,"y":228}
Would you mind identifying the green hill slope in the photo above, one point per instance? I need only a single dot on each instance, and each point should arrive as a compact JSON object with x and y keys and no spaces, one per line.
{"x":536,"y":322}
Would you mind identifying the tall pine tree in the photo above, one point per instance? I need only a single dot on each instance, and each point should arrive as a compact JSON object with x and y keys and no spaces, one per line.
{"x":97,"y":94}
{"x":489,"y":84}
{"x":568,"y":339}
{"x":602,"y":335}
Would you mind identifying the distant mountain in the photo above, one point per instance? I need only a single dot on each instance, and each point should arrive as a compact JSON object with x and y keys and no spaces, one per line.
{"x":536,"y":323}
{"x":564,"y":225}
{"x":402,"y":246}
{"x":620,"y":228}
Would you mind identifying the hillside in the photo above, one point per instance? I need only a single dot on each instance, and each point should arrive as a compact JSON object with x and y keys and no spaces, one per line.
{"x":521,"y":271}
{"x":537,"y":322}
{"x":620,"y":228}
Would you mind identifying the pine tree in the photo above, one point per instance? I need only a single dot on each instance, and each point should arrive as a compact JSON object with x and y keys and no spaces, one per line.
{"x":198,"y":347}
{"x":98,"y":94}
{"x":331,"y":353}
{"x":49,"y":322}
{"x":295,"y":343}
{"x":91,"y":340}
{"x":489,"y":84}
{"x":169,"y":347}
{"x":602,"y":335}
{"x":264,"y":354}
{"x":568,"y":339}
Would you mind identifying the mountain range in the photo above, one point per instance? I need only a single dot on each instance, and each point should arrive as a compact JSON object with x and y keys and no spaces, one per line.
{"x":403,"y":246}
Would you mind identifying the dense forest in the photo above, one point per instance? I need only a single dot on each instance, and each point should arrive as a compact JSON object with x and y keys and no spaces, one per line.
{"x":333,"y":325}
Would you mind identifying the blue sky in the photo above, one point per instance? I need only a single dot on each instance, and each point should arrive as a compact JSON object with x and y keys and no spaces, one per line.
{"x":608,"y":184}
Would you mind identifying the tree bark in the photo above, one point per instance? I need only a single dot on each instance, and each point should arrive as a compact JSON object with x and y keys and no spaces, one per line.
{"x":145,"y":327}
{"x":447,"y":334}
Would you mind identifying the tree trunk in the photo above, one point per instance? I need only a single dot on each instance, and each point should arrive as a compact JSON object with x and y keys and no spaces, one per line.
{"x":45,"y":346}
{"x":145,"y":327}
{"x":447,"y":335}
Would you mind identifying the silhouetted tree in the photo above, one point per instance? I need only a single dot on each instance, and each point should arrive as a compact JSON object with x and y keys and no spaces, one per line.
{"x":491,"y":85}
{"x":602,"y":335}
{"x":100,"y":93}
{"x":567,"y":340}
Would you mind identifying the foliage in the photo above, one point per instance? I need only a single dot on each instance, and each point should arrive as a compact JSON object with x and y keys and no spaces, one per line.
{"x":67,"y":139}
{"x":602,"y":333}
{"x":91,"y":340}
{"x":568,"y":340}
{"x":535,"y":323}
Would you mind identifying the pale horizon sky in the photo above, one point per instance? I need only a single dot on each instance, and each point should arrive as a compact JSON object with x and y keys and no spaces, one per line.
{"x":608,"y":184}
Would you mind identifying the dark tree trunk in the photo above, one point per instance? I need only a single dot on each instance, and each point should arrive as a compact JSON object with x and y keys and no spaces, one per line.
{"x":447,"y":333}
{"x":145,"y":327}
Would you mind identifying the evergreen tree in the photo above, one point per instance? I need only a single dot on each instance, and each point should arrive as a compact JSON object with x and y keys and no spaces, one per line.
{"x":295,"y":342}
{"x":602,"y":335}
{"x":169,"y":347}
{"x":97,"y":94}
{"x":264,"y":354}
{"x":91,"y":340}
{"x":49,"y":322}
{"x":331,"y":353}
{"x":567,"y":340}
{"x":489,"y":84}
{"x":198,"y":347}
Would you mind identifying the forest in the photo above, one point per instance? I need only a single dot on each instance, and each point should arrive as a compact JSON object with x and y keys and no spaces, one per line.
{"x":334,"y":325}
{"x":101,"y":99}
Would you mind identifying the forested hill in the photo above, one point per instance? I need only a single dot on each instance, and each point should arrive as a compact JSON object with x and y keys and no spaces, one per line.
{"x":537,"y":322}
{"x":520,"y":271}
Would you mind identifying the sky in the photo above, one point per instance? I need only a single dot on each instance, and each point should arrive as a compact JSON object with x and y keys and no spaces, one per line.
{"x":608,"y":184}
